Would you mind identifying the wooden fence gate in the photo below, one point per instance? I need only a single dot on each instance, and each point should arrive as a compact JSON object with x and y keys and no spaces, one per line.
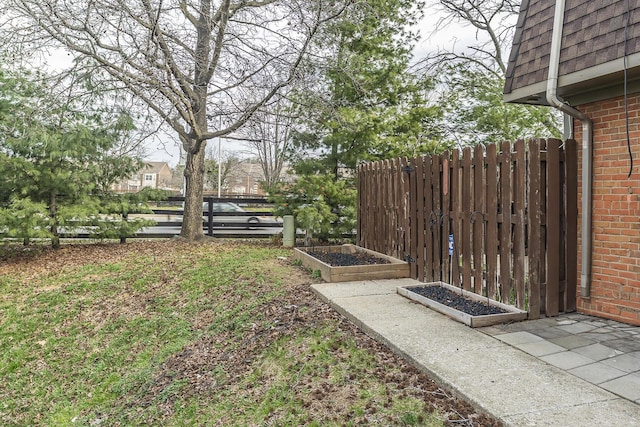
{"x":498,"y":221}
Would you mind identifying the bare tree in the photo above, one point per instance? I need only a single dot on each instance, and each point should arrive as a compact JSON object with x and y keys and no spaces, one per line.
{"x":191,"y":62}
{"x":471,"y":78}
{"x":492,"y":21}
{"x":268,"y":137}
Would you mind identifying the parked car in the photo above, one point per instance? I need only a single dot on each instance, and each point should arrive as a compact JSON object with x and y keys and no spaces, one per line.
{"x":230,"y":214}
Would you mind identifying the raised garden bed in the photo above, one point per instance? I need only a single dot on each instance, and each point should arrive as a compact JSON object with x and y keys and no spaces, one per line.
{"x":351,"y":263}
{"x":466,"y":307}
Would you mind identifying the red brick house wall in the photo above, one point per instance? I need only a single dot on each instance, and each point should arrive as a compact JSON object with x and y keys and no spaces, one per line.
{"x":615,"y":289}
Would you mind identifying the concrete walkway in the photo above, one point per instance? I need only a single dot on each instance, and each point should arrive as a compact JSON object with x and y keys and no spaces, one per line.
{"x":487,"y":368}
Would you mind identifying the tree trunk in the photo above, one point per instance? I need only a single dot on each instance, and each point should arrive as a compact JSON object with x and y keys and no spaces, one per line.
{"x":194,"y":169}
{"x":194,"y":176}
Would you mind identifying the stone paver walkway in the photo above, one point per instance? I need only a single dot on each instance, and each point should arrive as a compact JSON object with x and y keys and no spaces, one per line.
{"x":600,"y":351}
{"x":500,"y":378}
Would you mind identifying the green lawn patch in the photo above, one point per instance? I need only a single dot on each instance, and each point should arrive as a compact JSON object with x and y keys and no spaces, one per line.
{"x":167,"y":333}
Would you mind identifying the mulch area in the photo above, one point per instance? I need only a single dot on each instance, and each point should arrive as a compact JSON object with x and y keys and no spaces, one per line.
{"x":337,"y":259}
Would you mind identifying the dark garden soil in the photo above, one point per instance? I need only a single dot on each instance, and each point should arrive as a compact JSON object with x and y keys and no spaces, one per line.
{"x":336,"y":259}
{"x":454,"y":300}
{"x":436,"y":293}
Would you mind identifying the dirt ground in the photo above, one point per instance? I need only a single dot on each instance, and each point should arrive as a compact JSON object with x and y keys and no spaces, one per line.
{"x":298,"y":309}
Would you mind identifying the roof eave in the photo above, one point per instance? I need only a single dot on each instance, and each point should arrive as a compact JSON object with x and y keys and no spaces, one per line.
{"x":588,"y":85}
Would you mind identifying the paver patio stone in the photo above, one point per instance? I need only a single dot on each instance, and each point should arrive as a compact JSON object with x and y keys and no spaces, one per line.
{"x":597,"y":373}
{"x":551,"y":332}
{"x":540,"y":348}
{"x":624,"y":345}
{"x":577,"y":328}
{"x":572,"y":341}
{"x":597,"y":351}
{"x":627,"y":386}
{"x":567,"y":360}
{"x":628,"y":362}
{"x":514,"y":338}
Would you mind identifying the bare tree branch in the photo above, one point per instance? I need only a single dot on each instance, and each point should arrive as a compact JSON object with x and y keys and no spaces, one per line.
{"x":491,"y":19}
{"x":183,"y":58}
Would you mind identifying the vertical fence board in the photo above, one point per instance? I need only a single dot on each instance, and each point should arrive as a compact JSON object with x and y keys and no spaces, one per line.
{"x":402,"y":206}
{"x":543,"y":232}
{"x":477,"y":219}
{"x":571,"y":243}
{"x":412,"y":176}
{"x":360,"y":188}
{"x":505,"y":225}
{"x":397,"y":195}
{"x":519,"y":225}
{"x":386,"y":221}
{"x":534,"y":252}
{"x":435,"y":218}
{"x":398,"y":204}
{"x":492,"y":221}
{"x":456,"y":216}
{"x":421,"y":261}
{"x":406,"y":226}
{"x":467,"y":203}
{"x":371,"y":200}
{"x":364,"y":196}
{"x":446,"y":219}
{"x":389,"y":201}
{"x":428,"y":208}
{"x":553,"y":227}
{"x":385,"y":225}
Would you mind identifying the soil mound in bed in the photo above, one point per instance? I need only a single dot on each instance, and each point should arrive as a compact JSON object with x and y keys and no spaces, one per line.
{"x":451,"y":299}
{"x":337,"y":259}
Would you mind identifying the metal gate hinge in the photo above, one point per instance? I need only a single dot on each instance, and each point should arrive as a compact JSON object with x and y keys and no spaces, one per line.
{"x":407,"y":169}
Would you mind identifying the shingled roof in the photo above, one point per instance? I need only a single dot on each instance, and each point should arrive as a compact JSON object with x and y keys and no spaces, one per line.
{"x":591,"y":57}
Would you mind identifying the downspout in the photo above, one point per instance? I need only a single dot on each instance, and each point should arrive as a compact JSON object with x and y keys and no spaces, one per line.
{"x":587,"y":144}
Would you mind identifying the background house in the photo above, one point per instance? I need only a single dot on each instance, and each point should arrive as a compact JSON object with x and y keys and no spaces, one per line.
{"x":599,"y":75}
{"x":245,"y":179}
{"x":153,"y":174}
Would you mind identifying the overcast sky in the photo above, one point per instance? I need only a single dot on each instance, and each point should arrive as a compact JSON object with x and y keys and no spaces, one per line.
{"x":165,"y":148}
{"x":454,"y":35}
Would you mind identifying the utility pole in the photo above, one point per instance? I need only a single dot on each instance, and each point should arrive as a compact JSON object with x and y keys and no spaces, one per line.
{"x":219,"y":160}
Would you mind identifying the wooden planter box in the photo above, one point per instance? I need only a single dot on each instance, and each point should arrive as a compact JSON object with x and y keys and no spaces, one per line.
{"x":394,"y":270}
{"x":512,"y":314}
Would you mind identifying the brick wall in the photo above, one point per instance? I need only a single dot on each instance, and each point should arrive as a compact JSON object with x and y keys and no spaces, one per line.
{"x":615,"y":289}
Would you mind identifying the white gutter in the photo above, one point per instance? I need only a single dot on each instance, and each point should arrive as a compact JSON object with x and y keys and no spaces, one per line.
{"x":587,"y":144}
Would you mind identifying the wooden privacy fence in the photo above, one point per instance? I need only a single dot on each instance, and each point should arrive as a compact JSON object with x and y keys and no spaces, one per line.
{"x":498,"y":221}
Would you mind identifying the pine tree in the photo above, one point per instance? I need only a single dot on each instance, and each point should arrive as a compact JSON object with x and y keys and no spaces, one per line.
{"x":57,"y":163}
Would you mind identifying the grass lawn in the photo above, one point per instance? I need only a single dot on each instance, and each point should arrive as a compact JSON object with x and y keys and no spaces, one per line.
{"x":175,"y":334}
